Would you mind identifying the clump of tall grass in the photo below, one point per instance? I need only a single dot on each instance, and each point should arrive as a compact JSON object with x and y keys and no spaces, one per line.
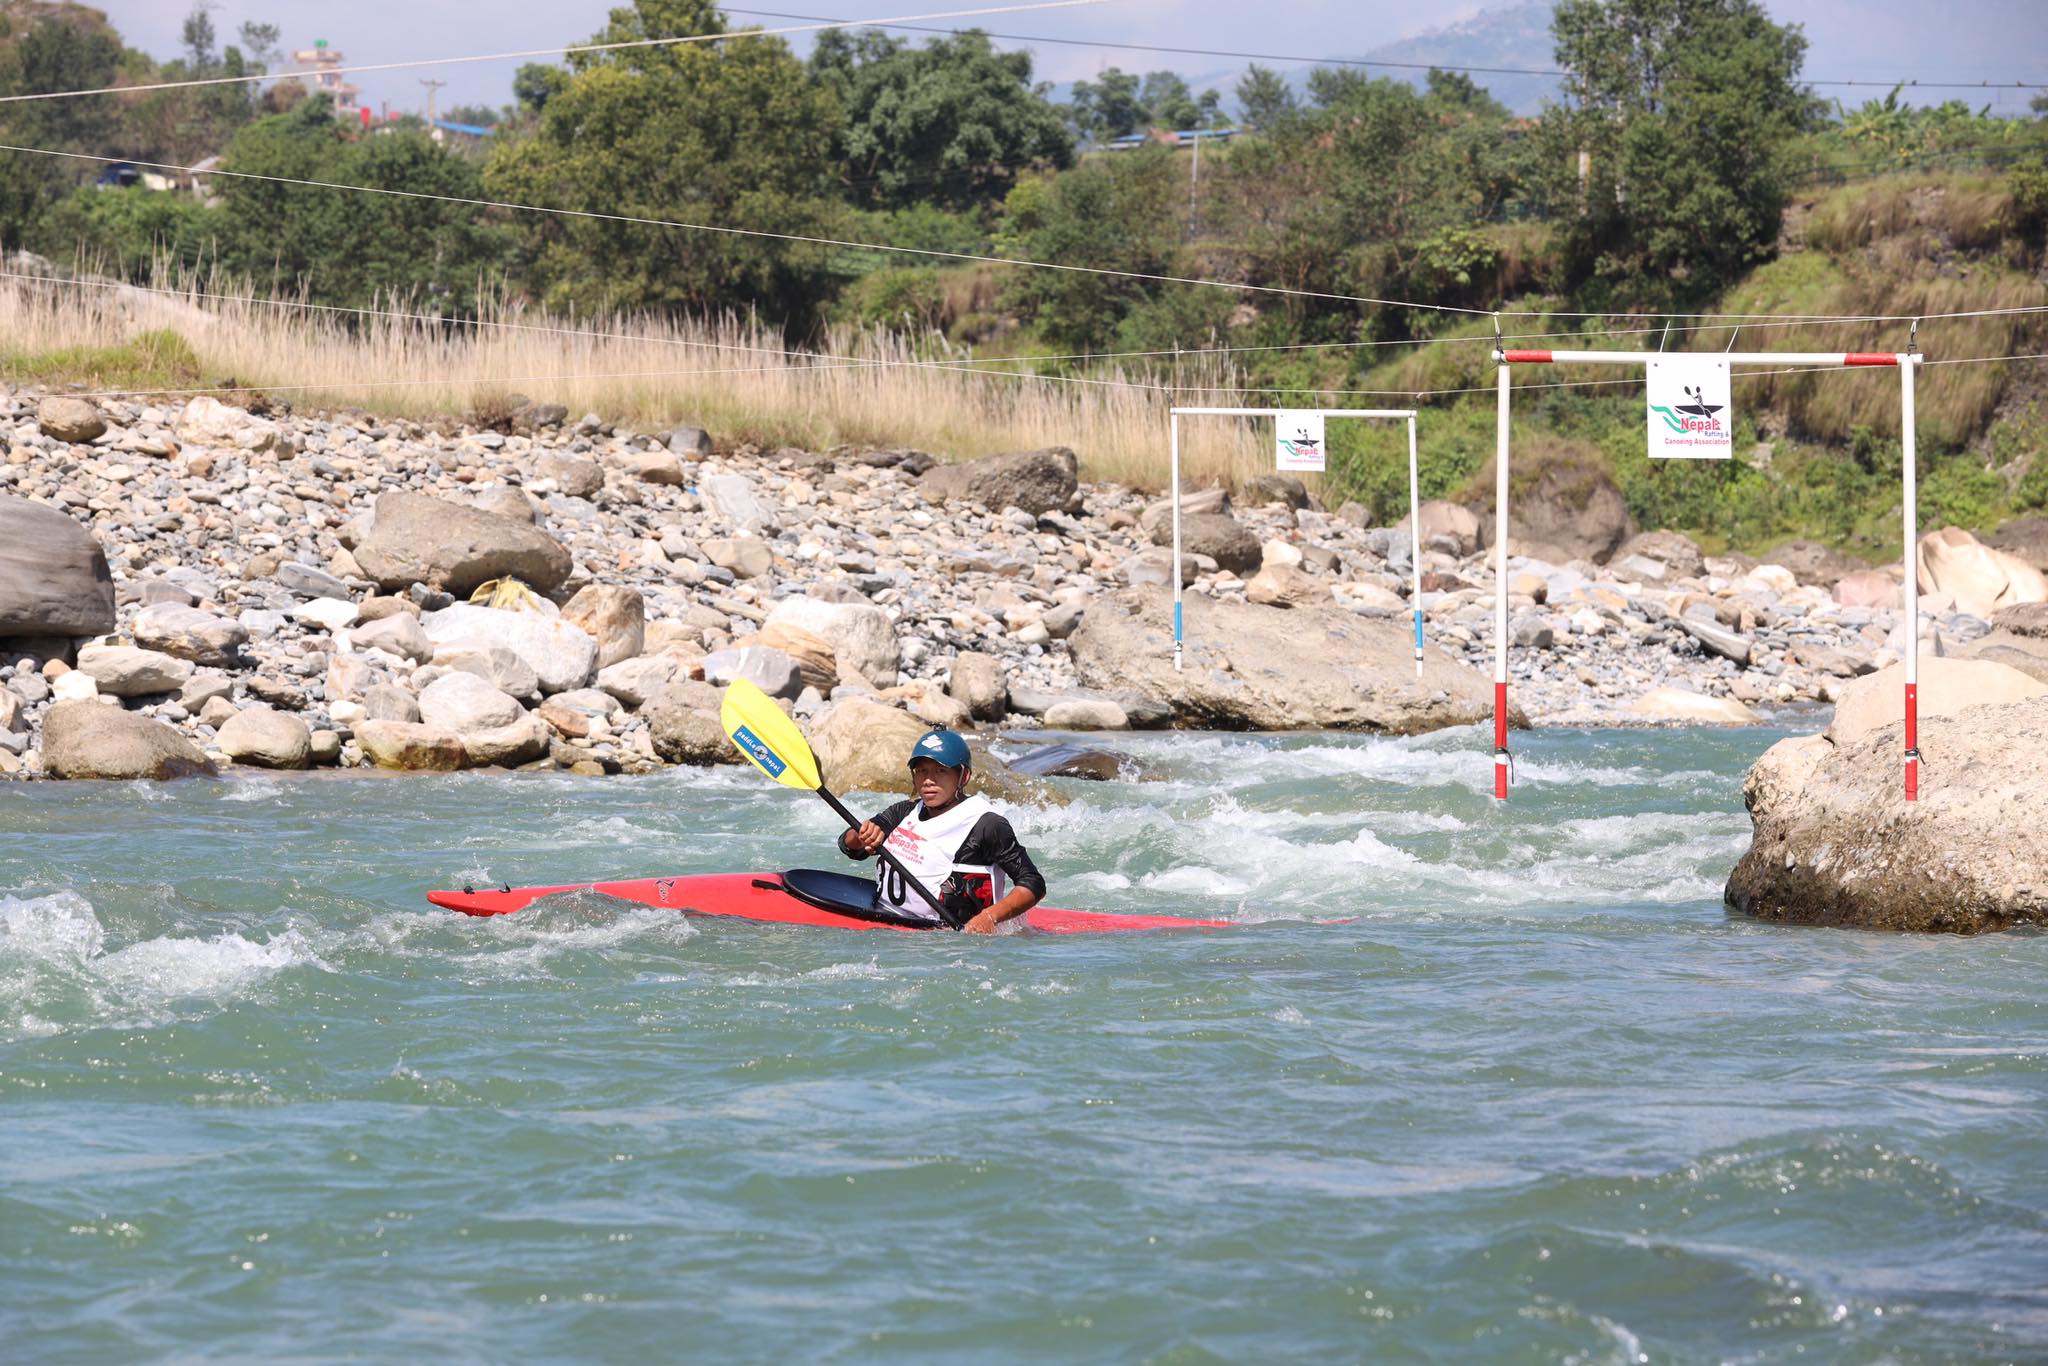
{"x":730,"y":375}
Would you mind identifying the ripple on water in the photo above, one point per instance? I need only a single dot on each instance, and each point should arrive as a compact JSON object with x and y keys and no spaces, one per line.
{"x":57,"y":971}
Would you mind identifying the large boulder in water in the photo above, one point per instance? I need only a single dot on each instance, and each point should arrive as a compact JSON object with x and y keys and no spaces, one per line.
{"x":418,"y":539}
{"x":1036,"y":481}
{"x":1836,"y":843}
{"x":53,"y":574}
{"x":95,"y":740}
{"x":1265,"y":668}
{"x":865,"y":747}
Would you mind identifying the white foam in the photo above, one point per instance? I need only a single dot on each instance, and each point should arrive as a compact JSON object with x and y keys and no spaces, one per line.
{"x":61,"y":926}
{"x":54,"y":949}
{"x":167,"y":969}
{"x":870,"y":971}
{"x":525,"y":943}
{"x":1194,"y":880}
{"x":251,"y":790}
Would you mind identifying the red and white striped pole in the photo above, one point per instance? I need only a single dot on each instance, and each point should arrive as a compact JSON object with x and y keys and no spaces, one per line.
{"x":1500,"y":584}
{"x":1906,"y":362}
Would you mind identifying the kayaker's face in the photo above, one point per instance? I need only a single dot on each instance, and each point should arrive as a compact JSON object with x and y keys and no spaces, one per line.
{"x":936,"y":784}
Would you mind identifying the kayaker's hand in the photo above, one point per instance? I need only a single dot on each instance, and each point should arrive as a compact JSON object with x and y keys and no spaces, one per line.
{"x":866,"y":839}
{"x":985,"y":923}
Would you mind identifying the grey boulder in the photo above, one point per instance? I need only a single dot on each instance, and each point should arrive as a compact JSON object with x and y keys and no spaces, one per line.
{"x":418,"y":539}
{"x":1036,"y":481}
{"x":264,"y":738}
{"x":53,"y":574}
{"x":87,"y":739}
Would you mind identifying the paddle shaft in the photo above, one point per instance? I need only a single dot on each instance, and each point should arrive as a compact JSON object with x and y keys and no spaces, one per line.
{"x":853,"y":822}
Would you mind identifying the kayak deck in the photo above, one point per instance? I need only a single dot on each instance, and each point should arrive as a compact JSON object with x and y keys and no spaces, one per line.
{"x":762,"y":896}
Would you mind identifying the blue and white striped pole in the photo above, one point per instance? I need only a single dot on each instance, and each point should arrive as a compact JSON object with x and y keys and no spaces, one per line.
{"x":1415,"y":541}
{"x":1173,"y":571}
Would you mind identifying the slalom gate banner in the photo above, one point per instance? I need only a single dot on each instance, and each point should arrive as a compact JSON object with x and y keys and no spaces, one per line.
{"x":1298,"y":440}
{"x":1691,"y":416}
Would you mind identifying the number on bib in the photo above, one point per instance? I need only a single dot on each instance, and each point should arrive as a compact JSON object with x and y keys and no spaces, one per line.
{"x":893,"y":888}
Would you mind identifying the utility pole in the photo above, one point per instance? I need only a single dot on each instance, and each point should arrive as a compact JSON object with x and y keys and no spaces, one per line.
{"x":1194,"y":182}
{"x":433,"y":89}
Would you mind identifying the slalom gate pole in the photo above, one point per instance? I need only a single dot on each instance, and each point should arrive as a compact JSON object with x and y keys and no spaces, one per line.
{"x":1173,"y":572}
{"x":1415,"y":542}
{"x":1911,"y":516}
{"x":1500,"y":607}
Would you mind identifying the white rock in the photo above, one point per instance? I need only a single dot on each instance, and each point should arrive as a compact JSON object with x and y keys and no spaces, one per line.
{"x":562,"y":656}
{"x":463,"y":703}
{"x":1682,"y":704}
{"x":634,"y":681}
{"x":329,"y":614}
{"x":125,"y":671}
{"x":209,"y":422}
{"x":75,"y":686}
{"x":1281,"y":553}
{"x":1773,"y":578}
{"x":1086,"y":713}
{"x":860,"y":634}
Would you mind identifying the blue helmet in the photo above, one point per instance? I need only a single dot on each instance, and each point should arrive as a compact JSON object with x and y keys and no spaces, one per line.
{"x":942,"y":747}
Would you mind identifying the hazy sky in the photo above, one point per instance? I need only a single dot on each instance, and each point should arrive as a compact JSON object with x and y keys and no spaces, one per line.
{"x":1876,"y":40}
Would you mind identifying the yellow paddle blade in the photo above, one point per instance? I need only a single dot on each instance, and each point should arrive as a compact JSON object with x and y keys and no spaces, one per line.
{"x":769,"y":740}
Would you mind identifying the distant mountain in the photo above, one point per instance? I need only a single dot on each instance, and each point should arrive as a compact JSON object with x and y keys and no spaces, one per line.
{"x":1516,"y":36}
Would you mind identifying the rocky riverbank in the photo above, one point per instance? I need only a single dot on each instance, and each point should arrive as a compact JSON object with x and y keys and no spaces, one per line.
{"x":256,"y":586}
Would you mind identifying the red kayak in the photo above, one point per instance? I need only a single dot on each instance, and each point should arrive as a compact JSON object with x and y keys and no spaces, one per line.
{"x":800,"y":897}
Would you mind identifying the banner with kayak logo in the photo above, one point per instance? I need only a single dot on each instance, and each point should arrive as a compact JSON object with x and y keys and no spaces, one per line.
{"x":1298,"y":440}
{"x":1691,"y":417}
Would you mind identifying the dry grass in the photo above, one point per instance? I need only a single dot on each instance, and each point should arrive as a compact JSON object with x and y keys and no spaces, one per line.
{"x":729,"y":377}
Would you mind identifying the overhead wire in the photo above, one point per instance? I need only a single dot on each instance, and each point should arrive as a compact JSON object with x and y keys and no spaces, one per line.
{"x":806,"y":239}
{"x":564,"y":49}
{"x":1351,"y":61}
{"x":985,"y":259}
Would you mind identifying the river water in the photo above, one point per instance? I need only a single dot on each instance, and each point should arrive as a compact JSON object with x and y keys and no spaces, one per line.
{"x":1478,"y":1082}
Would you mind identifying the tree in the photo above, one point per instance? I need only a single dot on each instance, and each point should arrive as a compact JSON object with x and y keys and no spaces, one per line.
{"x":949,"y":123}
{"x":345,"y":247}
{"x":729,"y":135}
{"x":1170,"y":104}
{"x":534,"y":84}
{"x":478,"y":115}
{"x":1264,"y":98}
{"x":1122,"y":102}
{"x":1109,"y":107}
{"x":1686,"y":109}
{"x":260,"y":42}
{"x":197,"y":37}
{"x":67,"y":49}
{"x":1113,"y":213}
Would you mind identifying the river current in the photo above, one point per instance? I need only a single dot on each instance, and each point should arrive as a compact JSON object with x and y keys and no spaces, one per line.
{"x":1468,"y":1082}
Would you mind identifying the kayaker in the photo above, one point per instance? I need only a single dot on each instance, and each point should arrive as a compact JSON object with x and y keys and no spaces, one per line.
{"x":957,"y":845}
